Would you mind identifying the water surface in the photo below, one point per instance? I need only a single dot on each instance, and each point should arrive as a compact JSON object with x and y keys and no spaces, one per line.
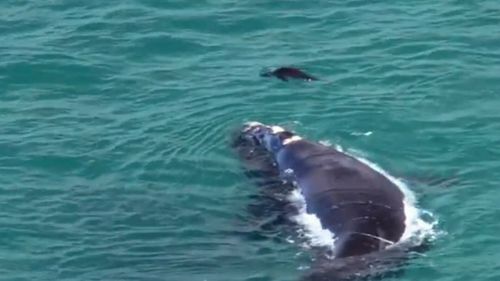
{"x":115,"y":118}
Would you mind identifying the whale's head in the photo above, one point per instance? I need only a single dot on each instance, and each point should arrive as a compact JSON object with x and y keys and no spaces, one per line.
{"x":270,"y":138}
{"x":257,"y":144}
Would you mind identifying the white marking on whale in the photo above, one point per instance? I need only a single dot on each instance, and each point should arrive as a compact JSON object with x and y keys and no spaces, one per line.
{"x":291,"y":140}
{"x":277,"y":129}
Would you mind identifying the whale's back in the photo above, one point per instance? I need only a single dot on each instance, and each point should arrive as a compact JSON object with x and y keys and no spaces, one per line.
{"x":360,"y":205}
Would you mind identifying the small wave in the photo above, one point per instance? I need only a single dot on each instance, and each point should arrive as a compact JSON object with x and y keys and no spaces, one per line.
{"x":366,"y":134}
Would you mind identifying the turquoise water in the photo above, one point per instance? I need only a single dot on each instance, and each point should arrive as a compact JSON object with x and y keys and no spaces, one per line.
{"x":115,"y":118}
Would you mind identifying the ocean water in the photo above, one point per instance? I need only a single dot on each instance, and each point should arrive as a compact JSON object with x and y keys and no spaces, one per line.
{"x":115,"y":119}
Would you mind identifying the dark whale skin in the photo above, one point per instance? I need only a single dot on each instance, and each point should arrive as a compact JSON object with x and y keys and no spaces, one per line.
{"x":352,"y":200}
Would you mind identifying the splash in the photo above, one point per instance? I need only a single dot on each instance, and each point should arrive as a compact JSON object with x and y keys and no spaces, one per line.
{"x":325,"y":142}
{"x":313,"y":231}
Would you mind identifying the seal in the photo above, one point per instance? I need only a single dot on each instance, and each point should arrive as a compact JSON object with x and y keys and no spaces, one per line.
{"x":362,"y":207}
{"x":285,"y":73}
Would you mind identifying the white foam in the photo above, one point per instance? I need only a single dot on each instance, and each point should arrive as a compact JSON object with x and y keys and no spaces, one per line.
{"x":313,"y":230}
{"x":325,"y":142}
{"x":362,"y":134}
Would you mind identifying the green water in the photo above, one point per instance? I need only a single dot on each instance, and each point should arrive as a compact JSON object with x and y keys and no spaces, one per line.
{"x":115,"y":117}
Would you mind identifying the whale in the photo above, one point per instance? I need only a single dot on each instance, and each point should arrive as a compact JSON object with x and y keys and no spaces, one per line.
{"x":358,"y":204}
